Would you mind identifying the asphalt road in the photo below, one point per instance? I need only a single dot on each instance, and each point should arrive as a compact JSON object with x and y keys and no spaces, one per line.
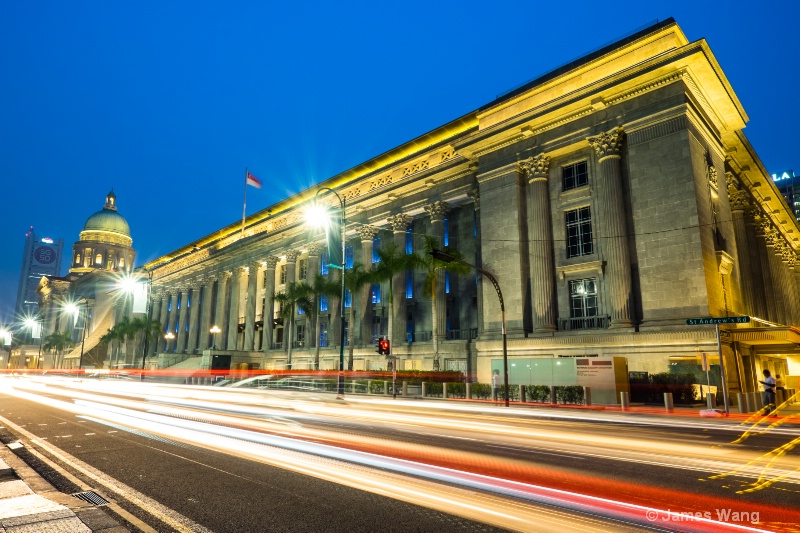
{"x":667,"y":465}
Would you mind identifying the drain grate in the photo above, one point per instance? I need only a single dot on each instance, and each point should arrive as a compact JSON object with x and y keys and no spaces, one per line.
{"x":92,"y":497}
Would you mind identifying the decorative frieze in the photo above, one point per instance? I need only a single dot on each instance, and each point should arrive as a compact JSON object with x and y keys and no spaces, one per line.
{"x":608,"y":144}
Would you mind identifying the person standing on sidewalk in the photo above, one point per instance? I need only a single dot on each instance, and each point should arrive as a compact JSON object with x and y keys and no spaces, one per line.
{"x":769,"y":391}
{"x":496,"y":385}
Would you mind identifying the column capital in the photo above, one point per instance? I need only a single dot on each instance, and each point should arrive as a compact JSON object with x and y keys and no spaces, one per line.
{"x":272,"y":261}
{"x":224,"y":275}
{"x":292,"y":255}
{"x":535,"y":168}
{"x":738,"y":199}
{"x":255,"y":264}
{"x":399,"y":222}
{"x":475,"y":194}
{"x":315,"y":249}
{"x":367,"y":233}
{"x":608,"y":144}
{"x":436,"y":210}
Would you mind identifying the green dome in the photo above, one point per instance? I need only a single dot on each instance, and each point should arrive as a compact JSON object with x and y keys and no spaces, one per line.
{"x":107,"y":220}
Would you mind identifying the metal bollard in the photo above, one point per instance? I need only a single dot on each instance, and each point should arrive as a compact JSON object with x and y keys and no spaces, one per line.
{"x":587,"y":396}
{"x":711,"y":401}
{"x":752,"y":404}
{"x":405,"y":388}
{"x":386,"y":388}
{"x":780,"y":396}
{"x":741,"y":402}
{"x":522,"y":393}
{"x":624,"y":400}
{"x":469,"y":391}
{"x":369,"y":386}
{"x":669,"y":405}
{"x":444,"y":390}
{"x":424,"y":389}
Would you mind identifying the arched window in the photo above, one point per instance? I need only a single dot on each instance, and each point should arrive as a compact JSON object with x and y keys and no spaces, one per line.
{"x":122,"y":262}
{"x":77,"y":259}
{"x":98,"y":259}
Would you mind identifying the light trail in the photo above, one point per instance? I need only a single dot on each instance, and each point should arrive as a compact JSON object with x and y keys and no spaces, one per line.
{"x":206,"y":417}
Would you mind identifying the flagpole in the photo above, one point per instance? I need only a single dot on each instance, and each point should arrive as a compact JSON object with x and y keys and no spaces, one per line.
{"x":244,"y":203}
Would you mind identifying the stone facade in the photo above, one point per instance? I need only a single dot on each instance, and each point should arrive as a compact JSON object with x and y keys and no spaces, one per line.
{"x":612,"y":199}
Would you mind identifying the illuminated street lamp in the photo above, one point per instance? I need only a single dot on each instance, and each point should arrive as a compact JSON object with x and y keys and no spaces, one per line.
{"x":447,"y":258}
{"x":74,"y":310}
{"x":214,"y":330}
{"x":5,"y":336}
{"x":320,"y":217}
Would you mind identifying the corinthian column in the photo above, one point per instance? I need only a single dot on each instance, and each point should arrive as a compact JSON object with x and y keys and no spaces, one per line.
{"x":291,"y":266}
{"x":205,"y":313}
{"x":162,"y":318}
{"x":314,"y":251}
{"x":194,"y":314}
{"x":269,"y":304}
{"x":399,"y":225}
{"x":233,"y":311}
{"x":437,"y":210}
{"x":795,"y":265}
{"x":172,"y":319}
{"x":739,"y":204}
{"x":789,"y":261}
{"x":220,"y":317}
{"x":762,"y":226}
{"x":776,"y":293}
{"x":608,"y":147}
{"x":536,"y":170}
{"x":184,"y":311}
{"x":367,"y":235}
{"x":156,"y":312}
{"x":250,"y":307}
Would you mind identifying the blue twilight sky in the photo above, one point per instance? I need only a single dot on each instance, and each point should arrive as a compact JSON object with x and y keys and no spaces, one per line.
{"x":168,"y":101}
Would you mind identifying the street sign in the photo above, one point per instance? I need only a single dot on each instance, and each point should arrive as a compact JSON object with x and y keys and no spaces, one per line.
{"x":717,"y":320}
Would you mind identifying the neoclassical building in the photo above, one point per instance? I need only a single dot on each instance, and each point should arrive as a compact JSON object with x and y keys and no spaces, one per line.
{"x":101,"y":256}
{"x":613,"y":198}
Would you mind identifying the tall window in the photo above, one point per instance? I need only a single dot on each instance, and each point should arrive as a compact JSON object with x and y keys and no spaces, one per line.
{"x":574,"y":176}
{"x":323,"y":263}
{"x":283,"y":274}
{"x":579,"y":232}
{"x":98,"y":259}
{"x":302,"y":266}
{"x":348,"y":257}
{"x":409,"y":242}
{"x":323,"y":334}
{"x":348,"y":298}
{"x":376,"y":245}
{"x":409,"y":284}
{"x":446,"y":225}
{"x":446,"y":282}
{"x":301,"y":333}
{"x":376,"y":293}
{"x":323,"y":303}
{"x":583,"y":298}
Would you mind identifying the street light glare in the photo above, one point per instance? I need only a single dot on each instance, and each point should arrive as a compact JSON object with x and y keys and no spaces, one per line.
{"x":71,"y":308}
{"x":127,"y":284}
{"x":317,"y":216}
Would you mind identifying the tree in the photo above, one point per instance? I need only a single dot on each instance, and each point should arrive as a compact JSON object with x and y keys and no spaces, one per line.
{"x":296,"y":296}
{"x":321,"y":286}
{"x":392,"y":261}
{"x":432,"y":268}
{"x":354,"y":278}
{"x":113,"y":337}
{"x":56,"y":343}
{"x":141,"y":329}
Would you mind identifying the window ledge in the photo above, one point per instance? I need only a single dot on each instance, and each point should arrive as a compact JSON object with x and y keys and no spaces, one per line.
{"x":598,"y":266}
{"x":574,"y":195}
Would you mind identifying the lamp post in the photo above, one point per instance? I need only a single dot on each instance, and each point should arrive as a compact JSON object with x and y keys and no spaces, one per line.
{"x":214,"y":330}
{"x":447,"y":258}
{"x":75,"y":310}
{"x":5,"y":336}
{"x":319,"y":220}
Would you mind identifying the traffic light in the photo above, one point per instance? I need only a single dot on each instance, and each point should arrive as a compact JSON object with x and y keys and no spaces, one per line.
{"x":383,"y":347}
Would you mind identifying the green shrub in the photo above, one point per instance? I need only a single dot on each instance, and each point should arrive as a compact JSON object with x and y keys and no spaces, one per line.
{"x":433,"y":389}
{"x":456,"y":390}
{"x":376,"y":387}
{"x":680,"y":385}
{"x":538,"y":393}
{"x":481,"y":391}
{"x":569,"y":394}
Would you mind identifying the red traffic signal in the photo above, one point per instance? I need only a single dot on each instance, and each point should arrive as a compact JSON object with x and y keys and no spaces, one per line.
{"x":383,"y":347}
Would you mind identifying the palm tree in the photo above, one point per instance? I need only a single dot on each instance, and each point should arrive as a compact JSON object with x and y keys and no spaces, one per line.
{"x":432,"y":268}
{"x":321,"y":286}
{"x":296,"y":296}
{"x":57,"y":342}
{"x":113,"y":337}
{"x":354,"y":278}
{"x":392,"y":261}
{"x":143,"y":328}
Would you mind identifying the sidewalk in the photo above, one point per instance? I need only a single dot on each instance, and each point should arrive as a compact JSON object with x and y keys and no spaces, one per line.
{"x":29,"y":504}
